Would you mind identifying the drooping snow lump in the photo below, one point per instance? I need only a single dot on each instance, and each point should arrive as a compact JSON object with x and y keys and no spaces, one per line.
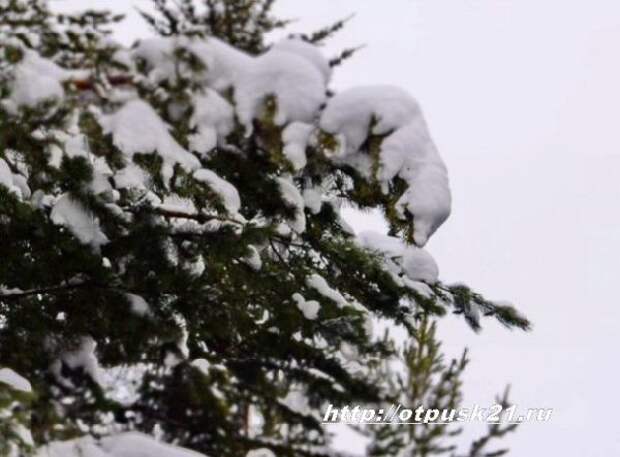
{"x":406,"y":151}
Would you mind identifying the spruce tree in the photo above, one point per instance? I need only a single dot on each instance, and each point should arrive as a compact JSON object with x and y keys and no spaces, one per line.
{"x":420,"y":377}
{"x":173,"y":259}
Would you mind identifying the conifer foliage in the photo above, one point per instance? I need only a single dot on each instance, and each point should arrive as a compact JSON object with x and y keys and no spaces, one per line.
{"x":173,"y":259}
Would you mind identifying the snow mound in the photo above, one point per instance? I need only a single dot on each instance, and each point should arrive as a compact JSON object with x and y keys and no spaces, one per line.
{"x":308,"y":51}
{"x":294,"y":72}
{"x":131,"y":444}
{"x":352,"y":111}
{"x":82,"y":447}
{"x":36,"y":80}
{"x":135,"y":444}
{"x":297,"y":85}
{"x":158,"y":56}
{"x":224,"y":63}
{"x":213,"y":118}
{"x":137,"y":128}
{"x":262,"y":452}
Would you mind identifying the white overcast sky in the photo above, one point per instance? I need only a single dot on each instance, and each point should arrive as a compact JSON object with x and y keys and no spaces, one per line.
{"x":523,"y":100}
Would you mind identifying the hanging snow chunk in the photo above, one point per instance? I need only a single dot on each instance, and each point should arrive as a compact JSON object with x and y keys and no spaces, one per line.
{"x":352,"y":111}
{"x":313,"y":199}
{"x":225,"y":190}
{"x":401,"y":258}
{"x":213,"y":118}
{"x":14,"y":381}
{"x":407,"y":151}
{"x":410,"y":154}
{"x":296,"y":84}
{"x":292,"y":196}
{"x":137,"y":128}
{"x":308,"y":51}
{"x":295,"y":138}
{"x":80,"y":222}
{"x":84,"y":358}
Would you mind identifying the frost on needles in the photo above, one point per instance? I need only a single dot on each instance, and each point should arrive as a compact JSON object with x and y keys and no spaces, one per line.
{"x":178,"y":201}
